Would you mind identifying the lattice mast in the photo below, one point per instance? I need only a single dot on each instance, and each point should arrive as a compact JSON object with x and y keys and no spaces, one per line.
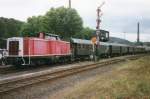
{"x":99,"y":15}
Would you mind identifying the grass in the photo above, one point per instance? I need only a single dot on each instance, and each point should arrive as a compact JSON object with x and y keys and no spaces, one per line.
{"x":128,"y":81}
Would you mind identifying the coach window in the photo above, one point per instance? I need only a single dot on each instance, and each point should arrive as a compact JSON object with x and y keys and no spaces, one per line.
{"x":88,"y":46}
{"x":78,"y":46}
{"x":82,"y":46}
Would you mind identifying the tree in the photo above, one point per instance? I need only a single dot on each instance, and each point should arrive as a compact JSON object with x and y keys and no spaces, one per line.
{"x":85,"y":33}
{"x":62,"y":21}
{"x":32,"y":26}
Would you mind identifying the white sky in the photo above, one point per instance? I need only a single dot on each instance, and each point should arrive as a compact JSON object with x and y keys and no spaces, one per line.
{"x":119,"y":15}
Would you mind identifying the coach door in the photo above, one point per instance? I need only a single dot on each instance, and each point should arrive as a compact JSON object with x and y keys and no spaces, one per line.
{"x":110,"y":50}
{"x":13,"y":47}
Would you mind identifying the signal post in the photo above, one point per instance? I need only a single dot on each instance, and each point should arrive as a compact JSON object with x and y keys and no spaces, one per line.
{"x":98,"y":33}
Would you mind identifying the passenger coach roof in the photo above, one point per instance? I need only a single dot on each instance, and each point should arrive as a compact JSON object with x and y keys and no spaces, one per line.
{"x":83,"y":41}
{"x":117,"y":44}
{"x":80,"y":41}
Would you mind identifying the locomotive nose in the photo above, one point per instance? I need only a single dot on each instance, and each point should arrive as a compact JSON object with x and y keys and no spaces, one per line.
{"x":15,"y":46}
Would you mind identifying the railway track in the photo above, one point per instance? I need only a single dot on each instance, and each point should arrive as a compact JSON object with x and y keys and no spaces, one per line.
{"x":13,"y":83}
{"x":3,"y":69}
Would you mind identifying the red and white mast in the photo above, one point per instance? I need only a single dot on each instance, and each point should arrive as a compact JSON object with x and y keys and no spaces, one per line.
{"x":99,"y":15}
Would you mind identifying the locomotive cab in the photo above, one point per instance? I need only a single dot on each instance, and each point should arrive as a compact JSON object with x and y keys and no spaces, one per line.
{"x":15,"y":46}
{"x":103,"y":35}
{"x":28,"y":50}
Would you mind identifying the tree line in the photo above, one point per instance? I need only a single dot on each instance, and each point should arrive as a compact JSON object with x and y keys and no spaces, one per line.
{"x":8,"y":28}
{"x":62,"y":21}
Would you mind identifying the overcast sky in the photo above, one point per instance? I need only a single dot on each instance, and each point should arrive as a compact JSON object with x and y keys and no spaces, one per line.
{"x":119,"y":16}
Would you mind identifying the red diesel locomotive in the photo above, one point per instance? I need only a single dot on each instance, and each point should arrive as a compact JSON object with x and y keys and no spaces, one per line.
{"x":37,"y":50}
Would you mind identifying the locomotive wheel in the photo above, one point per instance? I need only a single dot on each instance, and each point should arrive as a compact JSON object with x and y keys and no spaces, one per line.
{"x":18,"y":62}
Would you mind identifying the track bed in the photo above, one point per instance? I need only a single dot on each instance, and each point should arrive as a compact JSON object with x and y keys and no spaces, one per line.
{"x":14,"y":83}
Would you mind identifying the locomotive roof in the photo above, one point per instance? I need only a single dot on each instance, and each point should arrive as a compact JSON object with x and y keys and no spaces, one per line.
{"x":49,"y":34}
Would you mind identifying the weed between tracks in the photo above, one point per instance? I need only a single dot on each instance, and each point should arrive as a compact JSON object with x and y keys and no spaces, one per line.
{"x":128,"y":81}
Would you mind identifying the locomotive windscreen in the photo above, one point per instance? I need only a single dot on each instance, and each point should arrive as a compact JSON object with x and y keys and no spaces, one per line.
{"x":13,"y":47}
